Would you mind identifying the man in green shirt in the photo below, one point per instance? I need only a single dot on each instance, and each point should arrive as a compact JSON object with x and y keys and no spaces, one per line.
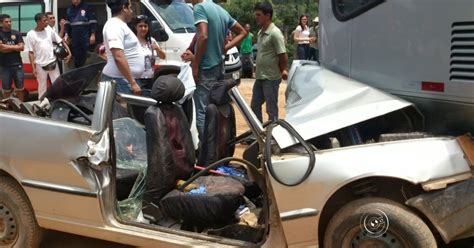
{"x":246,"y":53}
{"x":272,"y":62}
{"x":212,"y":23}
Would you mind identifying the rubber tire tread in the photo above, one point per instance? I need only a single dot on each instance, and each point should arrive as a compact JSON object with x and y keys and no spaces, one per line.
{"x":30,"y":234}
{"x":415,"y":231}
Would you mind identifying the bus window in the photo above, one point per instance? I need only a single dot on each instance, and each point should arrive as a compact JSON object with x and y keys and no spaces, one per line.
{"x":22,"y":15}
{"x":347,"y":9}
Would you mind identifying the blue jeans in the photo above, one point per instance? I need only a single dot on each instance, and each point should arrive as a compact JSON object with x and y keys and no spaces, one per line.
{"x":303,"y":51}
{"x":12,"y":73}
{"x":123,"y":86}
{"x":207,"y":78}
{"x":265,"y":91}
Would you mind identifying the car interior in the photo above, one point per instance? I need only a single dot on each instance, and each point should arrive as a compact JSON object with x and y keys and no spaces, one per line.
{"x":161,"y":180}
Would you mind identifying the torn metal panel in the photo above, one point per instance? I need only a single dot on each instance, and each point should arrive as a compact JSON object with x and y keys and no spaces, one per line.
{"x":450,"y":210}
{"x":319,"y":101}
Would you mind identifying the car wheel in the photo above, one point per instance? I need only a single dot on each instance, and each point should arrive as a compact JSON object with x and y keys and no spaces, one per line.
{"x":377,"y":222}
{"x":18,"y":225}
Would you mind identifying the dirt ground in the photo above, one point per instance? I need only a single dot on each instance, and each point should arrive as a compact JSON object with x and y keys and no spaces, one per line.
{"x":53,"y":239}
{"x":245,"y":89}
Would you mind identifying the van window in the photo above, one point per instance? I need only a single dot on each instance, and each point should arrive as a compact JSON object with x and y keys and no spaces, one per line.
{"x":178,"y":15}
{"x":22,"y":15}
{"x":347,"y":9}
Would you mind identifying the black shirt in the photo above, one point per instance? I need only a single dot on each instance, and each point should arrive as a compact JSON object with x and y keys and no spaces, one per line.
{"x":12,"y":37}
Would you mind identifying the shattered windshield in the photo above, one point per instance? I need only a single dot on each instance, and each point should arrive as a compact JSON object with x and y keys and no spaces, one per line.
{"x":130,"y":142}
{"x":178,"y":15}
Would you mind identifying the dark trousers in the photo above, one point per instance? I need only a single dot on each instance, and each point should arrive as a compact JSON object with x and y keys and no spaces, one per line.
{"x":80,"y":45}
{"x":265,"y":91}
{"x":314,"y":54}
{"x":303,"y":51}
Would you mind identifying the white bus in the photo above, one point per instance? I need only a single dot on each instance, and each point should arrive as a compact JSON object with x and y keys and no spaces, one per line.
{"x":175,"y":17}
{"x":420,"y":50}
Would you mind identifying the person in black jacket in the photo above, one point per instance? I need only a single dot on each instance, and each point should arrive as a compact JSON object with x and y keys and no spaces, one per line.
{"x":81,"y":25}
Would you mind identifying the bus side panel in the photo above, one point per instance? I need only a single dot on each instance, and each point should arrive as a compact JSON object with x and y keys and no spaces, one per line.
{"x":334,"y":40}
{"x":405,"y":48}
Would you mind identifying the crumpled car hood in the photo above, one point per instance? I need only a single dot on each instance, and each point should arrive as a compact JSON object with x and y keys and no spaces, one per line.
{"x":319,"y":101}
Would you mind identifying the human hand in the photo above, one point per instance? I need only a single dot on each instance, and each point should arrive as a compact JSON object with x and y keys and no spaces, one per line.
{"x":67,"y":59}
{"x":62,"y":22}
{"x":284,"y":74}
{"x":135,"y":88}
{"x":92,"y":39}
{"x":187,"y":56}
{"x":33,"y":70}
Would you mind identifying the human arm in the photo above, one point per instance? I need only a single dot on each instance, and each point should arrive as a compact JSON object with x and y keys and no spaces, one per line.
{"x":187,"y":56}
{"x":12,"y":48}
{"x":241,"y":34}
{"x":68,"y":57}
{"x":161,"y":53}
{"x":313,"y":35}
{"x":297,"y":33}
{"x":92,"y":39}
{"x":124,"y":68}
{"x":67,"y":26}
{"x":283,"y":64}
{"x":62,"y":24}
{"x":92,"y":25}
{"x":201,"y":43}
{"x":31,"y":57}
{"x":18,"y":47}
{"x":280,"y":49}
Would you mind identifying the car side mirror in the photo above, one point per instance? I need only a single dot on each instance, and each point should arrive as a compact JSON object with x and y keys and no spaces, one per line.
{"x":158,"y":32}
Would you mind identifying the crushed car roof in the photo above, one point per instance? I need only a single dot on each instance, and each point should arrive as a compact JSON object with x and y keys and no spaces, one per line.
{"x":319,"y":101}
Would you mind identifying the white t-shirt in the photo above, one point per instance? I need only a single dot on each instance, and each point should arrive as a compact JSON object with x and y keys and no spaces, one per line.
{"x":118,"y":35}
{"x":303,"y":34}
{"x":41,"y":44}
{"x":150,"y":57}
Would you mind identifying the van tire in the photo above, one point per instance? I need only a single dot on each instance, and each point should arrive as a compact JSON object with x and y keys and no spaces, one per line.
{"x":17,"y":218}
{"x":400,"y":226}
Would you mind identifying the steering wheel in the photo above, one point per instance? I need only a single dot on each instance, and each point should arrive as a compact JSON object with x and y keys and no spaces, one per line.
{"x":73,"y":108}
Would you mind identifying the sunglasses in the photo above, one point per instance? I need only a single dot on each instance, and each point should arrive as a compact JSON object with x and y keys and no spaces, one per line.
{"x":142,"y":18}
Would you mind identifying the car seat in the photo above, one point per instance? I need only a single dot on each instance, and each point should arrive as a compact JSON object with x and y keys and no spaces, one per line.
{"x":171,"y":157}
{"x":219,"y":127}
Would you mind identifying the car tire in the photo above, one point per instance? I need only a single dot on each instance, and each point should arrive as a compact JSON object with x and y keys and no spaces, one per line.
{"x":372,"y":221}
{"x":18,"y":225}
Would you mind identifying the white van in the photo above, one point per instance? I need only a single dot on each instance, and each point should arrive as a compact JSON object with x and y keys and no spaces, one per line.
{"x":173,"y":18}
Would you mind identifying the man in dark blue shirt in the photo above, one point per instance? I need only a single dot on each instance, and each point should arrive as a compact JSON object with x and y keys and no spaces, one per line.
{"x":81,"y":25}
{"x":11,"y":66}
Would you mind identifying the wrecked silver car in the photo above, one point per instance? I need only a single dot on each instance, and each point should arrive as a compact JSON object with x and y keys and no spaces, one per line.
{"x":75,"y":161}
{"x":374,"y":170}
{"x":349,"y":165}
